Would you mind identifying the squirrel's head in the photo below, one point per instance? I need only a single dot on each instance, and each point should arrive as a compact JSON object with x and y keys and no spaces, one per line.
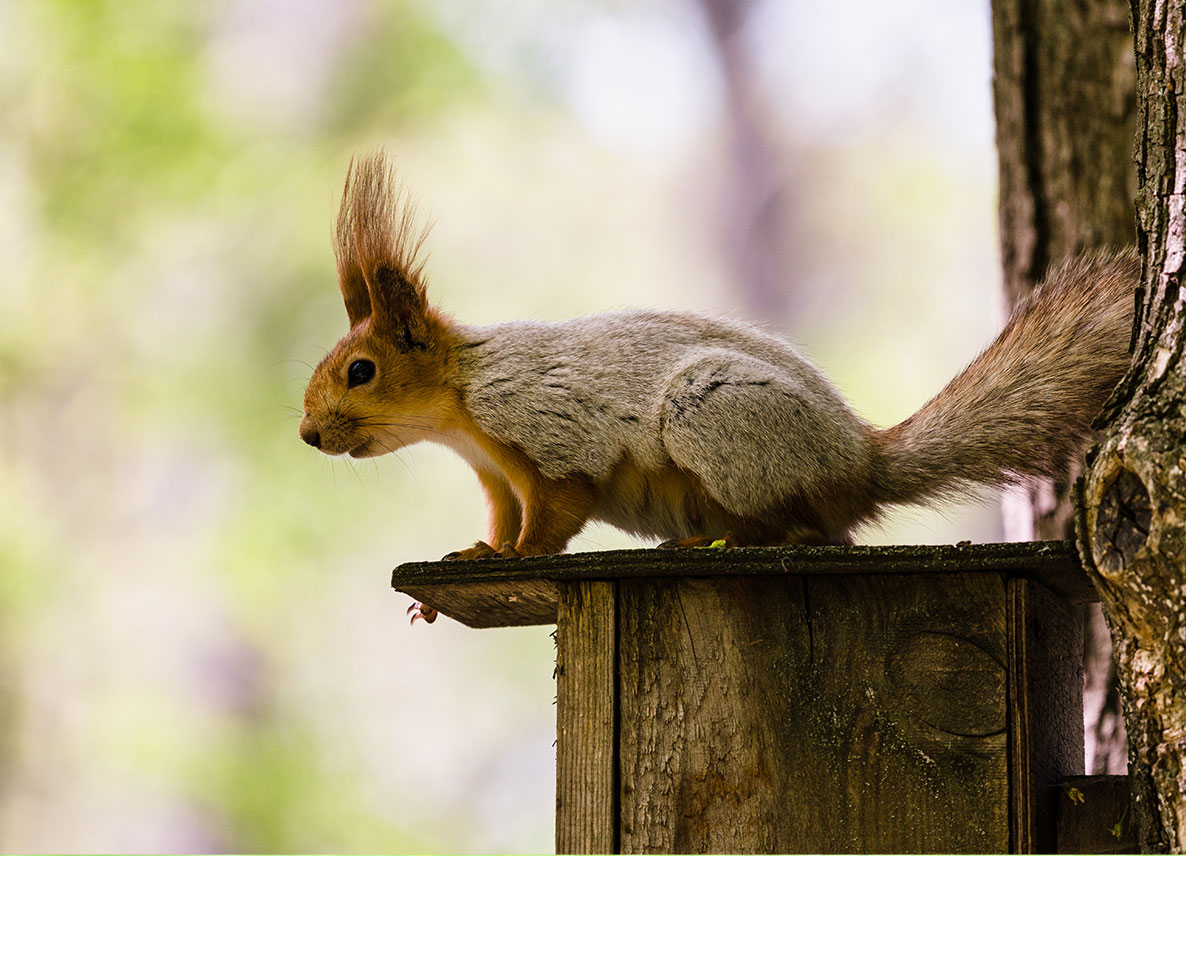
{"x":382,"y":385}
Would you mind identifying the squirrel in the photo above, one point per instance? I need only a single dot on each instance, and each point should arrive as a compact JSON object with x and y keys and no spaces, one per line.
{"x":681,"y":426}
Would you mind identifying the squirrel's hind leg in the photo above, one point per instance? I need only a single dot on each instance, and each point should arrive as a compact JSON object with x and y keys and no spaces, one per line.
{"x":770,"y":445}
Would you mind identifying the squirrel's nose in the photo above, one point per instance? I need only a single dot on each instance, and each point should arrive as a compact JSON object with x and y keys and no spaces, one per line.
{"x":310,"y":436}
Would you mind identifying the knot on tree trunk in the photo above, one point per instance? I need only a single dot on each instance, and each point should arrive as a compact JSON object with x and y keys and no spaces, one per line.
{"x":1124,"y":517}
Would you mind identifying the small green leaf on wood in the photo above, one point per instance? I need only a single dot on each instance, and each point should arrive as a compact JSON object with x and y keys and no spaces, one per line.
{"x":1075,"y":795}
{"x":718,"y":544}
{"x":1117,"y":830}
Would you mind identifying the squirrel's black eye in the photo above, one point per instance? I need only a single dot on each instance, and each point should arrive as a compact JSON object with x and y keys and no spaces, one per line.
{"x":359,"y":372}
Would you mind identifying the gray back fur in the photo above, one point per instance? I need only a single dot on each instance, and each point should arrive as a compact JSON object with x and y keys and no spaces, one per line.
{"x":558,"y":392}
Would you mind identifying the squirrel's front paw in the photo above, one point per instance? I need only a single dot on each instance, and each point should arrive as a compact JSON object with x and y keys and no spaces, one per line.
{"x":483,"y":550}
{"x":479,"y":550}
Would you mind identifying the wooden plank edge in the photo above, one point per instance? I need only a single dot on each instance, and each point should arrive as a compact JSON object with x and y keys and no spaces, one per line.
{"x":1054,"y":563}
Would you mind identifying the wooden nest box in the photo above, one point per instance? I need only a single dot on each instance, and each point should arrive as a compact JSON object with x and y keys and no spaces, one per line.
{"x":800,"y":699}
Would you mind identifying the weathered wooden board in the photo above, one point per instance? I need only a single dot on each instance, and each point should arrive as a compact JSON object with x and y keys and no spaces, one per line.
{"x":707,"y":687}
{"x":490,"y":602}
{"x":522,"y":592}
{"x":586,"y":719}
{"x":917,"y":673}
{"x":800,"y":699}
{"x":1046,"y":709}
{"x":814,"y":714}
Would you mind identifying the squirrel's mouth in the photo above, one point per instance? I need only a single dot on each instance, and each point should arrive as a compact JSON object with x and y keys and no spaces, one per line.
{"x":361,"y":451}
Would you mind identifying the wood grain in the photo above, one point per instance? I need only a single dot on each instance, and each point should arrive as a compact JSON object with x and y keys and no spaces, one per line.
{"x":1046,"y":709}
{"x":586,"y":719}
{"x":487,"y":602}
{"x":814,"y":714}
{"x":703,"y":693}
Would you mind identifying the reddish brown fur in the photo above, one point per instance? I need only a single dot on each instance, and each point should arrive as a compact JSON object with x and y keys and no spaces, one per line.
{"x":376,"y":228}
{"x":535,"y":514}
{"x":415,"y":394}
{"x":1015,"y":410}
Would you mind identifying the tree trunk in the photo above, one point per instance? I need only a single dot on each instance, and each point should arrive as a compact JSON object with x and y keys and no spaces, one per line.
{"x":1132,"y":514}
{"x":1064,"y":93}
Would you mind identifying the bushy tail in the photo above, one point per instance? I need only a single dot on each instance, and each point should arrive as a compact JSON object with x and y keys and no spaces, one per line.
{"x":1026,"y":404}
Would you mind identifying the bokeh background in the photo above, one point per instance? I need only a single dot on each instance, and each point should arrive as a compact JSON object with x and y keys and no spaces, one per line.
{"x":199,"y":649}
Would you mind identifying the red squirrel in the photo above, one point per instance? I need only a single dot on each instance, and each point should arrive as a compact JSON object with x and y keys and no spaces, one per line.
{"x":681,"y":426}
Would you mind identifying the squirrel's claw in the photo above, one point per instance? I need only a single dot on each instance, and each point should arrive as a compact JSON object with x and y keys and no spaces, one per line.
{"x":419,"y":611}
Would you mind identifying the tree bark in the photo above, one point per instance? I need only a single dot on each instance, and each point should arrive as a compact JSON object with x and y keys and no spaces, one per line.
{"x":1132,"y":514}
{"x":1064,"y":92}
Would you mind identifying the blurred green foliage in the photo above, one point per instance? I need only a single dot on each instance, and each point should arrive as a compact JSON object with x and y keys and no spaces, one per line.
{"x":171,"y":273}
{"x":198,"y":648}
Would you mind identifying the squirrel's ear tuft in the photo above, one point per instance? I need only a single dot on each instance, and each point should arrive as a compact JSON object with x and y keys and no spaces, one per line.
{"x":377,"y":245}
{"x":351,"y":281}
